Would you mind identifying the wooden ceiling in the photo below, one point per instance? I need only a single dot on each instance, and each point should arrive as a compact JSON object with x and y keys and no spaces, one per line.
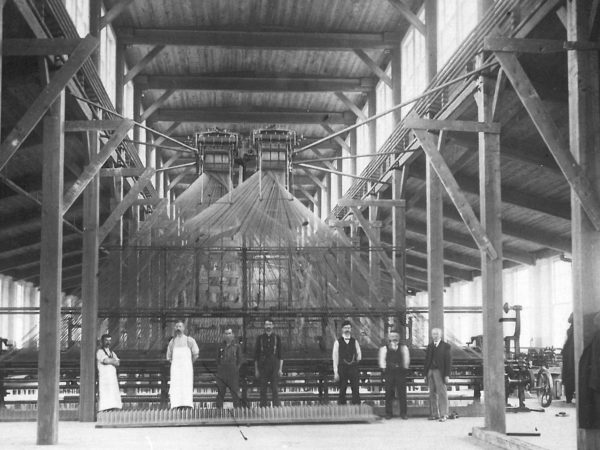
{"x":242,"y":65}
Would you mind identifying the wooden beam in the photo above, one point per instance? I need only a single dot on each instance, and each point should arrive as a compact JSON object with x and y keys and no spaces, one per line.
{"x":141,"y":65}
{"x":39,"y":47}
{"x":452,"y":125}
{"x":122,"y":172}
{"x":313,"y":199}
{"x":160,"y":101}
{"x":351,"y":105}
{"x":255,"y":83}
{"x":259,"y":39}
{"x":491,"y":268}
{"x":584,"y":141}
{"x":89,"y":292}
{"x":252,"y":115}
{"x":377,"y":71}
{"x":42,"y":103}
{"x":421,"y":263}
{"x":407,"y":13}
{"x":556,"y":142}
{"x":127,"y":201}
{"x":369,"y":202}
{"x":169,"y":131}
{"x":90,"y":171}
{"x":314,"y":178}
{"x":451,"y":256}
{"x":114,"y":12}
{"x":337,"y":139}
{"x":454,"y":192}
{"x":177,"y":179}
{"x":51,"y":272}
{"x":91,"y":125}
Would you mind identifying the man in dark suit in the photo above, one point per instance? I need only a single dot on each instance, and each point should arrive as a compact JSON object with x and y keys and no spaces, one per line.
{"x":438,"y":362}
{"x":268,"y":363}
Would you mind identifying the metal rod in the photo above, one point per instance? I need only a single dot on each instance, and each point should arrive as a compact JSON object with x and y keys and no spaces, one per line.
{"x":163,"y":169}
{"x":365,"y":155}
{"x":372,"y":180}
{"x":398,"y":106}
{"x":187,"y":148}
{"x":147,"y":144}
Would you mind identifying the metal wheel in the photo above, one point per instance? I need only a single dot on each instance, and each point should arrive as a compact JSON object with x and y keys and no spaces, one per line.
{"x":544,"y":388}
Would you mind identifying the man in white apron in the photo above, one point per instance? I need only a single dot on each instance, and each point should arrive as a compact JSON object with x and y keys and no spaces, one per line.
{"x":181,"y":353}
{"x":107,"y":362}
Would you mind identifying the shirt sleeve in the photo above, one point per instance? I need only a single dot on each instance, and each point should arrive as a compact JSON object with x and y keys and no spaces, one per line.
{"x":405,"y":356}
{"x":382,"y":356}
{"x":194,"y":346}
{"x":100,"y":356}
{"x":114,"y":355}
{"x":358,"y":352}
{"x":335,"y":355}
{"x":170,"y":350}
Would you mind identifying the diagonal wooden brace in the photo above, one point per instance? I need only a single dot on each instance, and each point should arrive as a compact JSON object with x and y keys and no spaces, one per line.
{"x":90,"y":171}
{"x":455,"y":193}
{"x":554,"y":139}
{"x":42,"y":103}
{"x":127,"y":201}
{"x":380,"y":253}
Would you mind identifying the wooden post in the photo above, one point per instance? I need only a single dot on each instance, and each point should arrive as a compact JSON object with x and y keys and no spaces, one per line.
{"x":584,"y":117}
{"x":116,"y":286}
{"x":355,"y":255}
{"x":491,"y":269}
{"x":95,"y":16}
{"x":119,"y":82}
{"x":374,"y":271}
{"x":354,"y":150}
{"x":137,"y":112}
{"x":89,"y":293}
{"x":51,"y":274}
{"x":2,"y":3}
{"x":398,"y":213}
{"x":132,"y":281}
{"x":372,"y":126}
{"x":435,"y":227}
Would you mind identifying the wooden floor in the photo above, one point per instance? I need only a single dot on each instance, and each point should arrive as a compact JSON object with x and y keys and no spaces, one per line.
{"x":417,"y":433}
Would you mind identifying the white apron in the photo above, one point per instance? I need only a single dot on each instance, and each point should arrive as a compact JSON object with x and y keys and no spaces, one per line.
{"x":108,"y":388}
{"x":181,"y":391}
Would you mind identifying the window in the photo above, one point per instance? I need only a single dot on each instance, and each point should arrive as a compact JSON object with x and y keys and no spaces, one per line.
{"x":455,"y":20}
{"x":413,"y":64}
{"x":80,"y":15}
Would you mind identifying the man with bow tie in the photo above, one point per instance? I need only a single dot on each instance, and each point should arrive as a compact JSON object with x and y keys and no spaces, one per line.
{"x":438,"y":362}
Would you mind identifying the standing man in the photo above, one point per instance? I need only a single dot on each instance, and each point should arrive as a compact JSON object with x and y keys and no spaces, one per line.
{"x":108,"y":383}
{"x":181,"y":353}
{"x":438,"y":362}
{"x":268,"y":363}
{"x":394,"y":360}
{"x":229,"y":360}
{"x":346,"y":356}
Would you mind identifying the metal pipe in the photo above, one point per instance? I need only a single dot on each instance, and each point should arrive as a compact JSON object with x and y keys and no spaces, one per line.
{"x":372,"y":180}
{"x":365,"y":155}
{"x":398,"y":106}
{"x":163,"y":169}
{"x":187,"y":148}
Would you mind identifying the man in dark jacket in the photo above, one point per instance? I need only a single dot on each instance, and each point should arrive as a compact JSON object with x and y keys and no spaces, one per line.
{"x":568,"y":363}
{"x":229,"y":360}
{"x":268,"y":363}
{"x":438,"y":362}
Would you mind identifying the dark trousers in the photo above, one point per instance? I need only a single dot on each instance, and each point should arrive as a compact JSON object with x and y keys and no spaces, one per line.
{"x":228,"y":377}
{"x":348,"y":372}
{"x":269,"y":374}
{"x":395,"y":383}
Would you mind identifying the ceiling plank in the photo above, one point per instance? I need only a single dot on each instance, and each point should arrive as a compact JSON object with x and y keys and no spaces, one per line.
{"x":259,"y":39}
{"x":255,"y":83}
{"x":160,"y":101}
{"x":142,"y":63}
{"x":253,"y":115}
{"x":374,"y":67}
{"x":407,"y":13}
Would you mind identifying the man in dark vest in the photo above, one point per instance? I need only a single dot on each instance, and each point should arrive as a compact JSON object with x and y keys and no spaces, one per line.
{"x":229,"y":360}
{"x":346,"y":356}
{"x":394,"y":360}
{"x":268,"y":363}
{"x":438,"y":362}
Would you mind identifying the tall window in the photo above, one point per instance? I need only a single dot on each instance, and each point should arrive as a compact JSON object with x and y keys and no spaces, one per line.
{"x":455,"y":20}
{"x":80,"y":15}
{"x":413,"y":72}
{"x":385,"y":100}
{"x":108,"y":50}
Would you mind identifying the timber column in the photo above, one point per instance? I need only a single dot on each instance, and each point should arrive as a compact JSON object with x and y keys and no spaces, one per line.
{"x":491,"y":269}
{"x":584,"y":117}
{"x":435,"y":219}
{"x":51,"y":273}
{"x":89,"y":293}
